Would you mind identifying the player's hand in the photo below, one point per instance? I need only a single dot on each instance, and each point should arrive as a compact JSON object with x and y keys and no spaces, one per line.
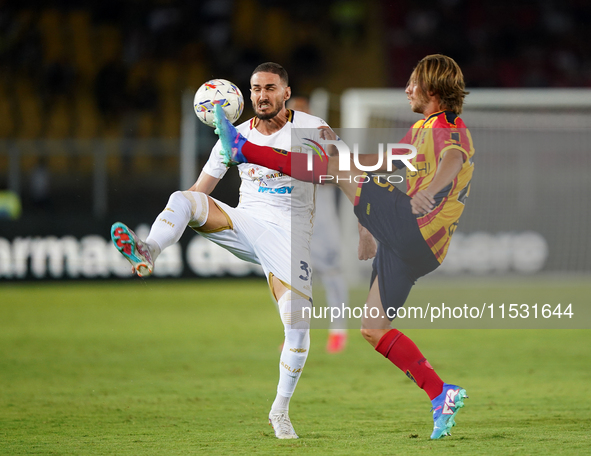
{"x":367,"y":245}
{"x":327,"y":133}
{"x":422,"y":203}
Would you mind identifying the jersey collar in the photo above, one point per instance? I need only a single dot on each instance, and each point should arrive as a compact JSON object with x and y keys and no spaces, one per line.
{"x":290,"y":117}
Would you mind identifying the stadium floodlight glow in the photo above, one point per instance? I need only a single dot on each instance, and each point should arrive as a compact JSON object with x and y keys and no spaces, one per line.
{"x":345,"y":156}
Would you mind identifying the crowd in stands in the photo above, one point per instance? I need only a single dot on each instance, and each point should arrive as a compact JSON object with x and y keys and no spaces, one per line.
{"x":42,"y":50}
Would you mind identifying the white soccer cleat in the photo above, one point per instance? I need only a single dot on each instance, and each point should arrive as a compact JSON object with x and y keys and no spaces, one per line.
{"x":282,"y":425}
{"x":132,"y":248}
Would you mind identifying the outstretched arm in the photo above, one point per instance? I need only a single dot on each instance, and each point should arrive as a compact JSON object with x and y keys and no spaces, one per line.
{"x":205,"y":183}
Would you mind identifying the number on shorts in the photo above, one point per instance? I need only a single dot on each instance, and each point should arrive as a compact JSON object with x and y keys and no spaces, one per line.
{"x":304,"y":267}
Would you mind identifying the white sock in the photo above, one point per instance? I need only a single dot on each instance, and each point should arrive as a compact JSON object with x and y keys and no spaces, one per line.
{"x":295,"y":347}
{"x":280,"y":404}
{"x":182,"y":209}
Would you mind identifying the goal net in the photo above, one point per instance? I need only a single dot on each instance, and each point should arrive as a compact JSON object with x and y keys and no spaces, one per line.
{"x":529,"y":209}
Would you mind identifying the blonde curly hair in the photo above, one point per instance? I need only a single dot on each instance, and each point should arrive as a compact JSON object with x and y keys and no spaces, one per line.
{"x":440,"y":75}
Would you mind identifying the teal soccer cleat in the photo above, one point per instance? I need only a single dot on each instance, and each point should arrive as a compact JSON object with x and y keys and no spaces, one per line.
{"x":133,"y":249}
{"x":232,"y":141}
{"x":445,"y":407}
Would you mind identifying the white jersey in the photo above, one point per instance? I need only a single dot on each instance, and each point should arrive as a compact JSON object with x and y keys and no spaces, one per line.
{"x":269,"y":194}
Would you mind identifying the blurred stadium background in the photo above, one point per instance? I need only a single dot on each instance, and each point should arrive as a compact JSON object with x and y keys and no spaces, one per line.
{"x":94,"y":100}
{"x":95,"y":109}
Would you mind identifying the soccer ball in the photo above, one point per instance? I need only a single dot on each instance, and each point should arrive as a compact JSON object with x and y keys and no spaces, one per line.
{"x":222,"y":92}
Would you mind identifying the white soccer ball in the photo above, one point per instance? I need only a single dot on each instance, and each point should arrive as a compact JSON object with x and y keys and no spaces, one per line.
{"x":222,"y":92}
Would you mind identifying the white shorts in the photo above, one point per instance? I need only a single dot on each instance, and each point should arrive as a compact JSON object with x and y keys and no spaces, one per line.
{"x":261,"y":242}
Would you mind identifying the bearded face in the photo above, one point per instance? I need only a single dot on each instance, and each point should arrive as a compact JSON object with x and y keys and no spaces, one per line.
{"x":268,"y":94}
{"x":416,"y":97}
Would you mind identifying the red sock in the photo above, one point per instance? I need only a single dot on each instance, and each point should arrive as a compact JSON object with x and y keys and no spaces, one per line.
{"x":292,"y":164}
{"x":408,"y":358}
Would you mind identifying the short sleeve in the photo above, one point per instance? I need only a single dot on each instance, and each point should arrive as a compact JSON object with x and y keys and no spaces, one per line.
{"x":215,"y":166}
{"x":452,"y":138}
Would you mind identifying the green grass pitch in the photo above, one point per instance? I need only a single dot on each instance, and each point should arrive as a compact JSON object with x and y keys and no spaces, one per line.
{"x":190,"y":367}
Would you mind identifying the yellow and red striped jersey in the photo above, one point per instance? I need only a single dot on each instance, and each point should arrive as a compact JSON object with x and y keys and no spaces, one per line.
{"x":433,"y":136}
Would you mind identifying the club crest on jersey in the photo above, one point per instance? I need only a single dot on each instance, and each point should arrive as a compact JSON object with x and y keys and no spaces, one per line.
{"x":450,"y":401}
{"x":256,"y":174}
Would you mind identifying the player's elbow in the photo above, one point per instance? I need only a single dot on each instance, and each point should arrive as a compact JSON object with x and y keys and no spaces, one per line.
{"x":454,"y":156}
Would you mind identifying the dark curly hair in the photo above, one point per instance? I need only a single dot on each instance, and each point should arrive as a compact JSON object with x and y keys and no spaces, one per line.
{"x":275,"y":68}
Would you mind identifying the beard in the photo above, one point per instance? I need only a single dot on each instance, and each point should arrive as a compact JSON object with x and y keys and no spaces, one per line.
{"x":418,"y":107}
{"x":421,"y":102}
{"x":268,"y":115}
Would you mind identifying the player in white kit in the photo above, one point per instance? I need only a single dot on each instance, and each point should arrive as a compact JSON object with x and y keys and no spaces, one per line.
{"x":271,"y":225}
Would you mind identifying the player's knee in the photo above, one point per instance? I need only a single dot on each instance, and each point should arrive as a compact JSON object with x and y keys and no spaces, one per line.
{"x":297,"y":337}
{"x":177,"y":201}
{"x":295,"y":312}
{"x":366,"y":333}
{"x":297,"y":326}
{"x":371,"y":335}
{"x":194,"y":204}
